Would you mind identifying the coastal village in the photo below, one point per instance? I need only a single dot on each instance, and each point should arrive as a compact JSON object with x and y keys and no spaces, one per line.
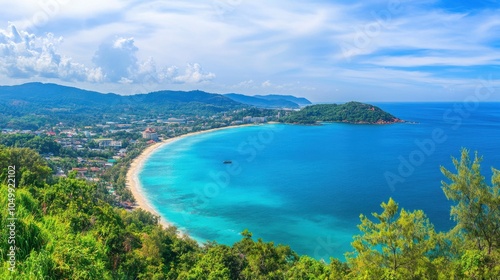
{"x":95,"y":152}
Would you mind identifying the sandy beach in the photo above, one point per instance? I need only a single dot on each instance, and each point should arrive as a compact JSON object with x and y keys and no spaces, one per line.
{"x":136,"y":165}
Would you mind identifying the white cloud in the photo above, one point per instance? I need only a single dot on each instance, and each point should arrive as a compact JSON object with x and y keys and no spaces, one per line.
{"x":430,"y":60}
{"x":267,"y":84}
{"x":95,"y":75}
{"x":125,"y":81}
{"x":294,"y":43}
{"x":425,"y":38}
{"x":245,"y":84}
{"x":25,"y":55}
{"x":117,"y":58}
{"x":194,"y":74}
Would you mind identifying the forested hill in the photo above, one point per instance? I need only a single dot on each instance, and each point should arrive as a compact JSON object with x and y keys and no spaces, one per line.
{"x":32,"y":105}
{"x":301,"y":101}
{"x":29,"y":106}
{"x":262,"y":102}
{"x":273,"y":101}
{"x":36,"y":97}
{"x":351,"y":112}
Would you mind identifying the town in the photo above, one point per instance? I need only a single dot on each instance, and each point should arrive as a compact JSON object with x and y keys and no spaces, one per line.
{"x":101,"y":152}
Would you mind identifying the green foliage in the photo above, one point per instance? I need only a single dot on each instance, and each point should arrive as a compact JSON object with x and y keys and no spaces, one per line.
{"x":35,"y":105}
{"x":42,"y":144}
{"x":477,"y":209}
{"x":308,"y":268}
{"x":397,"y":246}
{"x":218,"y":262}
{"x":139,"y":220}
{"x":351,"y":112}
{"x":64,"y":230}
{"x":264,"y":260}
{"x":477,"y":213}
{"x":31,"y":168}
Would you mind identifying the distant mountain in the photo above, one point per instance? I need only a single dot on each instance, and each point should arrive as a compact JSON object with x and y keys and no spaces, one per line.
{"x":53,"y":95}
{"x":298,"y":100}
{"x":180,"y":97}
{"x":261,"y":102}
{"x":56,"y":97}
{"x":351,"y":112}
{"x":37,"y":103}
{"x":273,"y":101}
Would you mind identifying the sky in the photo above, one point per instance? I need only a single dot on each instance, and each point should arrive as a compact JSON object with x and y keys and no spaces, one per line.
{"x":326,"y":51}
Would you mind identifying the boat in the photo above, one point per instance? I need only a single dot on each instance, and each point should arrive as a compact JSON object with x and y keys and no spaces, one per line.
{"x":227,"y":162}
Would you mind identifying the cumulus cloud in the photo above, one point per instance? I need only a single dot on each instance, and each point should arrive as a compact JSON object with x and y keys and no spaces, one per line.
{"x":194,"y":74}
{"x":24,"y":55}
{"x":117,"y":58}
{"x":245,"y":84}
{"x":267,"y":84}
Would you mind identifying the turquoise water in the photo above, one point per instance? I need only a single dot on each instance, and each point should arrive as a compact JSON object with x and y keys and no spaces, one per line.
{"x":306,"y":186}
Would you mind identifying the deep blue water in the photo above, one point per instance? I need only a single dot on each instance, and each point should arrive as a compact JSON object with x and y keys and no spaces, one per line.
{"x":306,"y":186}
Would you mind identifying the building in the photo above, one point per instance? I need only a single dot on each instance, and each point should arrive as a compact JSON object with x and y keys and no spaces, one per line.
{"x":258,"y":119}
{"x":105,"y":143}
{"x":176,"y":120}
{"x":249,"y":119}
{"x":150,"y":134}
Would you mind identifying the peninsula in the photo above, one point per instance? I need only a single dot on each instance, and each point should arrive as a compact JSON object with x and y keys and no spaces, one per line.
{"x":351,"y":112}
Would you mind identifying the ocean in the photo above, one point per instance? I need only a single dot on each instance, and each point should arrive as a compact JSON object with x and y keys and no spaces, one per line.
{"x":305,"y":186}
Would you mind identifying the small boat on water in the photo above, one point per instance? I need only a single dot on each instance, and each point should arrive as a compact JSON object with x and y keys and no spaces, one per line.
{"x":227,"y":162}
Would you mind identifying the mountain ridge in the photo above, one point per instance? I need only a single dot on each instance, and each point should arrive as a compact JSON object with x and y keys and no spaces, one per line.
{"x":262,"y":102}
{"x":46,"y":92}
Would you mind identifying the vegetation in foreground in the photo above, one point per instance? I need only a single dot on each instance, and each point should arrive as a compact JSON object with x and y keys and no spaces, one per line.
{"x":65,"y":229}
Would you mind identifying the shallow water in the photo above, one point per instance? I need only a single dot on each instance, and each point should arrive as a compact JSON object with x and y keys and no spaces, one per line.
{"x":306,"y":186}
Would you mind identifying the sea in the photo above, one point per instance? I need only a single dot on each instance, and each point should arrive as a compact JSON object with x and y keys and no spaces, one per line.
{"x":306,"y":186}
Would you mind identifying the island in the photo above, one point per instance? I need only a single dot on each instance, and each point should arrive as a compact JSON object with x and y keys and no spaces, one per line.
{"x":351,"y":112}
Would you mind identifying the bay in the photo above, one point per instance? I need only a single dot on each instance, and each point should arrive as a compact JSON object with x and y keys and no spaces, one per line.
{"x":306,"y":186}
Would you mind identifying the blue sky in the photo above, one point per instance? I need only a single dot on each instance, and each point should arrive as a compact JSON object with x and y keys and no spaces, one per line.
{"x":327,"y":51}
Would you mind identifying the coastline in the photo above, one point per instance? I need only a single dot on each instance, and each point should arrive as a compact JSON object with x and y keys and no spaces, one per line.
{"x":132,"y":178}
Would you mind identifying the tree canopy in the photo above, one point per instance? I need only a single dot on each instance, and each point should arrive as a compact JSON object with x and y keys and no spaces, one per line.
{"x":351,"y":112}
{"x":65,"y":230}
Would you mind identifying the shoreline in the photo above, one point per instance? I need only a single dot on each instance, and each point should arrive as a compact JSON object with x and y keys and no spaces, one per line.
{"x":132,"y":178}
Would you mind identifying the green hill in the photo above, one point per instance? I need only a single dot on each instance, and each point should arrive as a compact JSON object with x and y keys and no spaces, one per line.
{"x":269,"y":101}
{"x":28,"y":106}
{"x":351,"y":112}
{"x":301,"y":101}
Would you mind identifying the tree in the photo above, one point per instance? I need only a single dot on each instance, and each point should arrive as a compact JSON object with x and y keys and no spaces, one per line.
{"x":217,"y":262}
{"x":397,"y":247}
{"x":308,"y":268}
{"x":27,"y":162}
{"x":477,"y":208}
{"x":263,"y":260}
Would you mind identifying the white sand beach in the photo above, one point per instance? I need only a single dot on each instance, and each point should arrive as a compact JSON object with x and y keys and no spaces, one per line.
{"x":134,"y":184}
